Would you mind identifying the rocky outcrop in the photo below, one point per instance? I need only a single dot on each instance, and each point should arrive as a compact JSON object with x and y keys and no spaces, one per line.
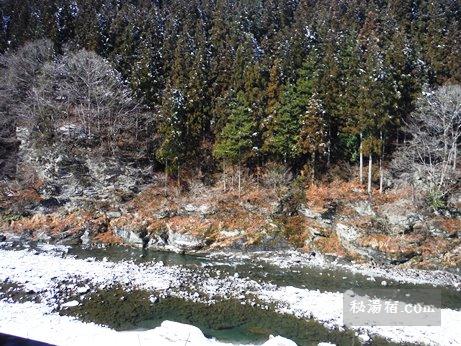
{"x":400,"y":216}
{"x":176,"y":241}
{"x":80,"y":180}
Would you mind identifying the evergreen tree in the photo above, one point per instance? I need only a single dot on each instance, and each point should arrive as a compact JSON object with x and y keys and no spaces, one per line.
{"x":173,"y":130}
{"x":313,"y":135}
{"x":235,"y":143}
{"x":282,"y":127}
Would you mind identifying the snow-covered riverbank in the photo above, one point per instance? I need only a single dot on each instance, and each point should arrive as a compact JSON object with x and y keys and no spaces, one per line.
{"x":56,"y":277}
{"x":43,"y":325}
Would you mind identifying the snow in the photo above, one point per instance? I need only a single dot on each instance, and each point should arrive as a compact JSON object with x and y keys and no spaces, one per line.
{"x":42,"y":325}
{"x":327,"y":307}
{"x":45,"y":272}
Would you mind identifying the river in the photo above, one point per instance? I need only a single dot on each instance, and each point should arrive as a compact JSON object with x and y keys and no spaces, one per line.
{"x":233,"y":297}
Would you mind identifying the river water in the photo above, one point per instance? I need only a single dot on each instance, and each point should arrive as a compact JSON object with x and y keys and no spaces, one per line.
{"x":229,"y":319}
{"x":331,"y":279}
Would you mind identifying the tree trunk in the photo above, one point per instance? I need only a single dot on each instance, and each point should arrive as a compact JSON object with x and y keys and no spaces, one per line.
{"x":329,"y":149}
{"x":166,"y":178}
{"x":179,"y":178}
{"x":361,"y":159}
{"x":224,"y":175}
{"x":381,"y":158}
{"x":313,"y":168}
{"x":240,"y":180}
{"x":455,"y":156}
{"x":370,"y":166}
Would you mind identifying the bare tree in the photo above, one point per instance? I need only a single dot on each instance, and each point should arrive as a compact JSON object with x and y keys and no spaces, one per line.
{"x":82,"y":96}
{"x":18,"y":72}
{"x":435,"y":130}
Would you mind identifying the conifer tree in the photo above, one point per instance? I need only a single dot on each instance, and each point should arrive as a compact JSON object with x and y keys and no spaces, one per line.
{"x":282,"y":127}
{"x":235,"y":143}
{"x":313,"y":136}
{"x":173,"y":130}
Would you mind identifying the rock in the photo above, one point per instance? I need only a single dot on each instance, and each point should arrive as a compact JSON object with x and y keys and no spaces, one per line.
{"x":454,"y":201}
{"x":70,"y":304}
{"x":163,"y":214}
{"x":278,"y":341}
{"x":83,"y":290}
{"x":129,"y":236}
{"x":175,"y":241}
{"x":346,"y":233}
{"x":79,"y":179}
{"x":184,"y":242}
{"x":206,"y":210}
{"x":230,"y":233}
{"x":158,"y":240}
{"x":189,"y":208}
{"x":364,"y":338}
{"x":363,"y":208}
{"x":42,"y":236}
{"x":309,"y":213}
{"x":2,"y":238}
{"x":399,"y":216}
{"x":114,"y":214}
{"x":85,"y":238}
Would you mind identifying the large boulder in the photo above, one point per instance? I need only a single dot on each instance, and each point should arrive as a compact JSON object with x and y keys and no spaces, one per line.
{"x":132,"y":237}
{"x":184,"y":242}
{"x":176,"y":241}
{"x":401,"y":216}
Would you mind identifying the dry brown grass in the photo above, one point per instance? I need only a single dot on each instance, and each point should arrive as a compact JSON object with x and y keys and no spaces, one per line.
{"x":401,"y":244}
{"x":108,"y":238}
{"x":391,"y":196}
{"x":319,"y":196}
{"x":450,"y":225}
{"x":295,"y":229}
{"x":330,"y":245}
{"x":52,"y":224}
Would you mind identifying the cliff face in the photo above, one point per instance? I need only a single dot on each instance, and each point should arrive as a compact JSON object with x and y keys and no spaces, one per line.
{"x":74,"y":198}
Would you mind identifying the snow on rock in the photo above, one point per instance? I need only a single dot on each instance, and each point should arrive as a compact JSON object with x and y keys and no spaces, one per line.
{"x":327,"y":308}
{"x":43,"y":269}
{"x":279,"y":341}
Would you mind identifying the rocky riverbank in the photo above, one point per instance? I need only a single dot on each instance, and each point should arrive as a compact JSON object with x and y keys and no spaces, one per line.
{"x":63,"y":197}
{"x":50,"y":276}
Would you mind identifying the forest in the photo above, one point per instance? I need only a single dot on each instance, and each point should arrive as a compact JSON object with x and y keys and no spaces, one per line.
{"x":230,"y":172}
{"x":201,"y":86}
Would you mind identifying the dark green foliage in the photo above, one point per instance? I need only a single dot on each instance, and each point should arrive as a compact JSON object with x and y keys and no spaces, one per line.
{"x":236,"y":141}
{"x":255,"y":66}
